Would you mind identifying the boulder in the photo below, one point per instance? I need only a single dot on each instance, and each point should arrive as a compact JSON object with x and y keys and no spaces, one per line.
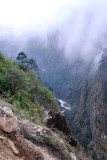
{"x":8,"y":124}
{"x":6,"y":112}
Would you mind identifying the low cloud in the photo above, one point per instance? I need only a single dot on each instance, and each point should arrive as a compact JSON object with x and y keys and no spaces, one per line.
{"x":81,"y":25}
{"x":84,"y":31}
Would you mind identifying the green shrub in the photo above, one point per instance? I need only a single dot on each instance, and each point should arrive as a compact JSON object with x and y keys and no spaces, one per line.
{"x":22,"y":87}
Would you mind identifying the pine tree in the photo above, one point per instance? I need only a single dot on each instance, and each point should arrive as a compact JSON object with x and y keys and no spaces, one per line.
{"x":32,"y":64}
{"x":22,"y":58}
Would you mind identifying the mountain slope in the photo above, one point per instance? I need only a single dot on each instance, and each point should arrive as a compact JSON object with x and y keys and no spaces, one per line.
{"x":37,"y":118}
{"x":75,"y":83}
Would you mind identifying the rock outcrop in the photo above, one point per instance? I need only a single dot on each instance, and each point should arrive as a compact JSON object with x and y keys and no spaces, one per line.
{"x":13,"y":145}
{"x":58,"y":121}
{"x":6,"y":112}
{"x":8,"y":123}
{"x":43,"y":137}
{"x":24,"y":140}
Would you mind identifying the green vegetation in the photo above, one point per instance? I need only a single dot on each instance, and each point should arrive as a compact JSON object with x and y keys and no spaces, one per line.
{"x":20,"y":85}
{"x":25,"y":63}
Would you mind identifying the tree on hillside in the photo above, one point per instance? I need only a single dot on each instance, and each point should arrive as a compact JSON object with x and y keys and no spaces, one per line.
{"x":32,"y":64}
{"x":25,"y":63}
{"x":22,"y":58}
{"x":22,"y":61}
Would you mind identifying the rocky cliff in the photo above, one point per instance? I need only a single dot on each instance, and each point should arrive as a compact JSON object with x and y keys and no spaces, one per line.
{"x":88,"y":119}
{"x":97,"y":110}
{"x":20,"y":139}
{"x":91,"y":115}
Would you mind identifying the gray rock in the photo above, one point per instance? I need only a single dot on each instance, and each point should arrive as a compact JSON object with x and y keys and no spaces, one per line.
{"x":3,"y":104}
{"x":32,"y":129}
{"x":7,"y":111}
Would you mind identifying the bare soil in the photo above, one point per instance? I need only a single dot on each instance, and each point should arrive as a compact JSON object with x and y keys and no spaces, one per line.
{"x":27,"y":150}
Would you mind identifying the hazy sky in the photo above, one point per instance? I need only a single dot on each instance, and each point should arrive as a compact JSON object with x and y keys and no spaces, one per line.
{"x":29,"y":14}
{"x":82,"y":24}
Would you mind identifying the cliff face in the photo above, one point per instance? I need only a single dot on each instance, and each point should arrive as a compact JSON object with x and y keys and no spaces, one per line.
{"x":97,"y":110}
{"x":90,"y":122}
{"x":81,"y":122}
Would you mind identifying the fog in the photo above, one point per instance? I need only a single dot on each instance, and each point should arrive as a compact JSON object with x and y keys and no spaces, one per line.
{"x":81,"y":25}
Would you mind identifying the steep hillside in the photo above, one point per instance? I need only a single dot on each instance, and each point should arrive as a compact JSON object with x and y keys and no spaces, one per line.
{"x":37,"y":129}
{"x":75,"y":83}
